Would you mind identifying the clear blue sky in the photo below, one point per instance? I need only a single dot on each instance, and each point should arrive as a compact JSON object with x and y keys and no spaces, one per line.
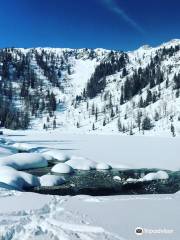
{"x":112,"y":24}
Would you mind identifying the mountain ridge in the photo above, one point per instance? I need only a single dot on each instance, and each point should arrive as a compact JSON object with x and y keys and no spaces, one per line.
{"x":93,"y":89}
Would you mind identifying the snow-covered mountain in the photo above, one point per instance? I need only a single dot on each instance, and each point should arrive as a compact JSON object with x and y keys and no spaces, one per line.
{"x":89,"y":90}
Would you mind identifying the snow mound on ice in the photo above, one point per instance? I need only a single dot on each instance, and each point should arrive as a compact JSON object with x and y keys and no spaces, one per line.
{"x":23,"y":146}
{"x":51,"y":180}
{"x":17,"y":180}
{"x":81,"y":163}
{"x":103,"y":166}
{"x":21,"y":161}
{"x":160,"y":175}
{"x":62,"y":168}
{"x":117,"y":178}
{"x":54,"y":154}
{"x":6,"y":150}
{"x":130,"y":180}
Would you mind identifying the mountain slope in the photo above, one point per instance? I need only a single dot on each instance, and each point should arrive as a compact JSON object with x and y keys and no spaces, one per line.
{"x":88,"y":90}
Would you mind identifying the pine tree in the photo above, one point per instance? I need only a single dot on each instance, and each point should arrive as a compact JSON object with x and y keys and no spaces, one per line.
{"x":119,"y":125}
{"x":112,"y":113}
{"x":141,"y":103}
{"x":148,"y":97}
{"x":146,"y":124}
{"x":93,"y":109}
{"x":96,"y":114}
{"x":173,"y":130}
{"x":104,"y":122}
{"x":54,"y":124}
{"x":138,"y":120}
{"x":124,"y":72}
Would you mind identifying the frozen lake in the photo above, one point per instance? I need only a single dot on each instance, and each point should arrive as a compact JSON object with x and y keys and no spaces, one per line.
{"x":93,"y":217}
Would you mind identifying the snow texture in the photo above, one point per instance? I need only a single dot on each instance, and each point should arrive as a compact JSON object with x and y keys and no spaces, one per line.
{"x":81,"y":163}
{"x":22,"y":161}
{"x":62,"y":168}
{"x":53,"y":154}
{"x":51,"y":180}
{"x":16,"y":179}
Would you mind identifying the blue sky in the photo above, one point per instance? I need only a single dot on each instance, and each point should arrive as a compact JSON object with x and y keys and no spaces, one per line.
{"x":112,"y":24}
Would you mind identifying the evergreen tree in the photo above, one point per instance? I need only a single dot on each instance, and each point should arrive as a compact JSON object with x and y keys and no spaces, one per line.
{"x":173,"y":130}
{"x":93,"y":109}
{"x":104,"y":122}
{"x":146,"y":124}
{"x":148,"y":97}
{"x":141,"y":103}
{"x":54,"y":124}
{"x":112,"y":113}
{"x":119,"y":125}
{"x":138,"y":120}
{"x":96,"y":114}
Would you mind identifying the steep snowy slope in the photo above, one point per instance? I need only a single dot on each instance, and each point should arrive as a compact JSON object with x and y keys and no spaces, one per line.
{"x":88,"y":90}
{"x":106,"y":113}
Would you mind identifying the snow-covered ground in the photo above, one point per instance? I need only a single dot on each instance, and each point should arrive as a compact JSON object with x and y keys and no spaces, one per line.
{"x":33,"y":216}
{"x":115,"y":150}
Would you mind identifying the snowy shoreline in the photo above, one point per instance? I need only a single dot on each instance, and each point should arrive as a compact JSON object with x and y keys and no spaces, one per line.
{"x":33,"y":216}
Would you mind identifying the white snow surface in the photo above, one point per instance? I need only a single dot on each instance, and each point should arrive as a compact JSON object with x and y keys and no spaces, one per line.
{"x":81,"y":163}
{"x":160,"y":175}
{"x":115,"y":150}
{"x":53,"y":154}
{"x":103,"y":166}
{"x":62,"y":168}
{"x":33,"y":216}
{"x":6,"y":150}
{"x":50,"y":180}
{"x":117,"y":178}
{"x":16,"y":179}
{"x":22,"y":161}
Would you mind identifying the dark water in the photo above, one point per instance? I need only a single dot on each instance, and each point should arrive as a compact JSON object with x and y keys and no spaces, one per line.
{"x":101,"y":183}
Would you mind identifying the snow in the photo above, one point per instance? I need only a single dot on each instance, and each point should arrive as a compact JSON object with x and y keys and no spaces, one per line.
{"x":81,"y":163}
{"x":54,"y":154}
{"x":103,"y":166}
{"x":33,"y":216}
{"x":6,"y":150}
{"x":160,"y":175}
{"x":47,"y":217}
{"x":123,"y":214}
{"x":22,"y":161}
{"x":62,"y":168}
{"x":82,"y":67}
{"x":124,"y":152}
{"x":83,"y":71}
{"x":130,"y":180}
{"x":117,"y":178}
{"x":16,"y":179}
{"x":22,"y":146}
{"x":51,"y":180}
